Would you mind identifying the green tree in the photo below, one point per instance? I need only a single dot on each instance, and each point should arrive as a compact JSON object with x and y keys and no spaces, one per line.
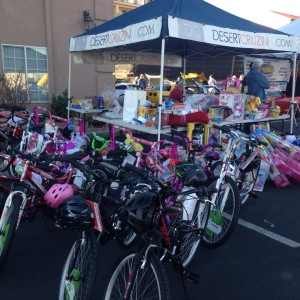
{"x":13,"y":89}
{"x":59,"y":104}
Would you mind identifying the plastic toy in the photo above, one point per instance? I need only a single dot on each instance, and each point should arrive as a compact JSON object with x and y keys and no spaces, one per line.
{"x":252,"y":104}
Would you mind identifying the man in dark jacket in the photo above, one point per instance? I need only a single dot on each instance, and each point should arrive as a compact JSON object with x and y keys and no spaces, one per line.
{"x":256,"y":81}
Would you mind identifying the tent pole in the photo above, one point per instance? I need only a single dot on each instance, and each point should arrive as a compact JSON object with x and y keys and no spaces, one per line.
{"x":293,"y":92}
{"x":161,"y":82}
{"x":69,"y":83}
{"x":184,"y":72}
{"x":232,"y":66}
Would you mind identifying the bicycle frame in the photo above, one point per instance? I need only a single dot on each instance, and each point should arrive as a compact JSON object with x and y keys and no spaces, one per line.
{"x":227,"y":169}
{"x":27,"y":175}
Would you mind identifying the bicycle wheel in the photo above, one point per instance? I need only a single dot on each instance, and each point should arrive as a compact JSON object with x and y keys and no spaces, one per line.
{"x":4,"y":164}
{"x":79,"y":272}
{"x":190,"y":240}
{"x":148,"y":283}
{"x":99,"y":188}
{"x":247,"y":178}
{"x":224,"y":214}
{"x":17,"y":161}
{"x":216,"y":167}
{"x":8,"y":225}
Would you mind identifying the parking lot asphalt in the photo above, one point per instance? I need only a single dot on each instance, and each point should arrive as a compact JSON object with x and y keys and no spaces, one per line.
{"x":260,"y":261}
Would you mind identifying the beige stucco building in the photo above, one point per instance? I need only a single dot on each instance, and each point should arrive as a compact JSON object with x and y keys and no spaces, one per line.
{"x":34,"y":38}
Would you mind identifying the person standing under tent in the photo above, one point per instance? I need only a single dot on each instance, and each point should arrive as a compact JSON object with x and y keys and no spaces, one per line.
{"x":142,"y":82}
{"x":256,"y":81}
{"x":211,"y":80}
{"x":176,"y":93}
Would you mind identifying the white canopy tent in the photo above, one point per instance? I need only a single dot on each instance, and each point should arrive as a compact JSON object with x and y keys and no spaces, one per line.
{"x":171,"y":27}
{"x":293,"y":28}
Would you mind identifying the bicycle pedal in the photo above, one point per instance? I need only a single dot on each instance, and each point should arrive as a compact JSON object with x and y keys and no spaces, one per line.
{"x":192,"y":277}
{"x":253,"y":195}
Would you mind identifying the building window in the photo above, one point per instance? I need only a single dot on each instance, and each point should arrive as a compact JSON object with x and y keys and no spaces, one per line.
{"x":32,"y":63}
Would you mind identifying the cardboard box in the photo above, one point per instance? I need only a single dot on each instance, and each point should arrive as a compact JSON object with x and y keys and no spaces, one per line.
{"x":236,"y":102}
{"x":219,"y":113}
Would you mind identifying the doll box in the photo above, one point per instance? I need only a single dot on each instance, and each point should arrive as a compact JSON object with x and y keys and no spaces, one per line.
{"x":236,"y":102}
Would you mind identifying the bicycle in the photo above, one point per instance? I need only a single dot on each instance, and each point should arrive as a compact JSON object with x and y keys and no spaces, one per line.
{"x":78,"y":274}
{"x":246,"y":161}
{"x":11,"y":135}
{"x":38,"y":189}
{"x":140,"y":274}
{"x":227,"y":201}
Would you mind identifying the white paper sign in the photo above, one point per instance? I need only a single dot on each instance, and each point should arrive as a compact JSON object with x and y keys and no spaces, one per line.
{"x":274,"y":69}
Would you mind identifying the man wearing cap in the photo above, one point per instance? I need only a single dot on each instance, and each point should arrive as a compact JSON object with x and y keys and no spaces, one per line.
{"x":256,"y":80}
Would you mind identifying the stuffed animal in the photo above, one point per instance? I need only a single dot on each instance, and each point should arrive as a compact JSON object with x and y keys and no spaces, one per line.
{"x":252,"y":104}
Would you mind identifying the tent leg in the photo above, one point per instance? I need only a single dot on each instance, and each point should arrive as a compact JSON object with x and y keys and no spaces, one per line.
{"x":161,"y":82}
{"x":69,"y":83}
{"x":184,"y":72}
{"x":293,"y":93}
{"x":232,"y":65}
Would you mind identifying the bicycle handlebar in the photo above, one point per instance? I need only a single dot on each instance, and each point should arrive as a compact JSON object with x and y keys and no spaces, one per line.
{"x":136,"y":139}
{"x":143,"y":173}
{"x":248,"y":139}
{"x":12,"y":109}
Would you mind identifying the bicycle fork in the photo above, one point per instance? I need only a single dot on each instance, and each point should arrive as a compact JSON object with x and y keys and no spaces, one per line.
{"x":139,"y":263}
{"x":220,"y":185}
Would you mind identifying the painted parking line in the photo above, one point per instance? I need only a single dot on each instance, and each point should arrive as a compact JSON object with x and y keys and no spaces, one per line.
{"x":270,"y":234}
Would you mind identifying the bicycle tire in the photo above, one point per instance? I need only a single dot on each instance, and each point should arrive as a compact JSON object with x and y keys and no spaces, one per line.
{"x":9,"y":226}
{"x":246,"y":182}
{"x":4,"y":164}
{"x":79,"y":272}
{"x":221,"y":224}
{"x":153,"y":270}
{"x":12,"y":166}
{"x":99,"y":188}
{"x":216,"y":167}
{"x":190,"y":242}
{"x":3,"y":197}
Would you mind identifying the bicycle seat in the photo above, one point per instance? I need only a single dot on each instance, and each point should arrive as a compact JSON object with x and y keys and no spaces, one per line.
{"x":194,"y":178}
{"x":212,"y":156}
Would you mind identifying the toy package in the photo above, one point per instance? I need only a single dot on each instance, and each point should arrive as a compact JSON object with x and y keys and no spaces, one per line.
{"x":285,"y":169}
{"x":282,"y":144}
{"x":263,"y":175}
{"x":287,"y":165}
{"x":259,"y":126}
{"x":219,"y":113}
{"x":279,"y":179}
{"x":236,"y":102}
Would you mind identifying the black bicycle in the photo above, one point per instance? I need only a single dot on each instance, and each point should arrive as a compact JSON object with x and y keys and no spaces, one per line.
{"x":164,"y":236}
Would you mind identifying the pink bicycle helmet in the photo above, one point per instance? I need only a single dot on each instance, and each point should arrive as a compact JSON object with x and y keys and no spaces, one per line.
{"x":57,"y":194}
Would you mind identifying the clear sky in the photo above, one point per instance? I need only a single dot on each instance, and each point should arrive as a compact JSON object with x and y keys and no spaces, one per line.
{"x":260,"y":11}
